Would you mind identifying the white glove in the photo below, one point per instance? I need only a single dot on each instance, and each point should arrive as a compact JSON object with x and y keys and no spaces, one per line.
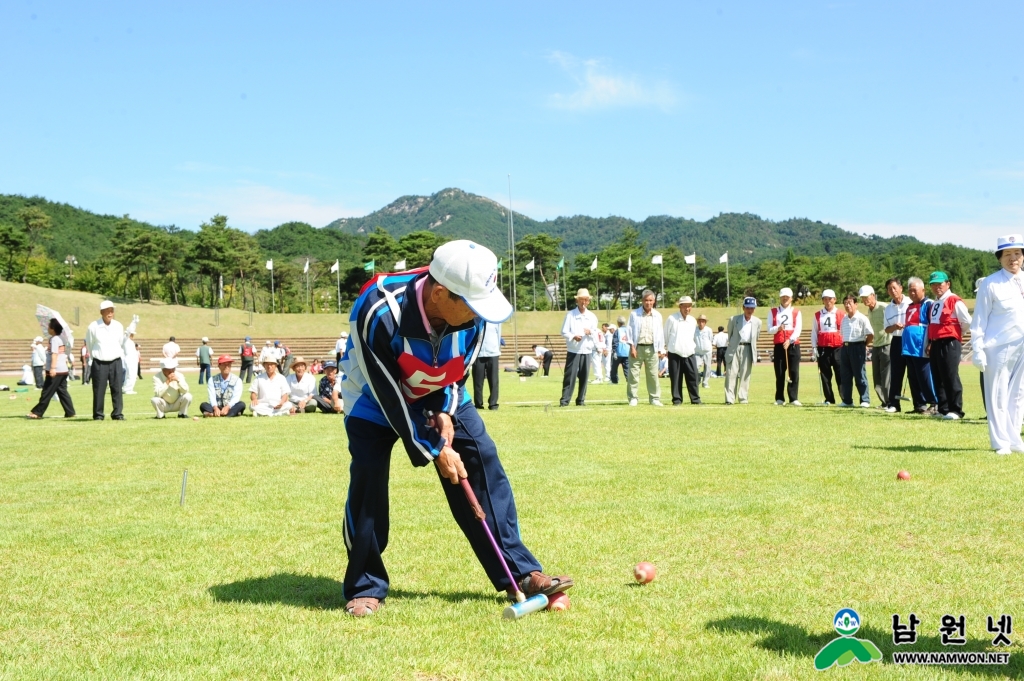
{"x":979,"y":359}
{"x":135,"y":318}
{"x":814,"y":355}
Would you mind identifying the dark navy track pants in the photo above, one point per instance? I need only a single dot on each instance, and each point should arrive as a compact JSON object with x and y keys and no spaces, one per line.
{"x":366,"y":511}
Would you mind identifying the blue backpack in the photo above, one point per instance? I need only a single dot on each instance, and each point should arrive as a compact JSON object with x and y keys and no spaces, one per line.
{"x":621,"y":348}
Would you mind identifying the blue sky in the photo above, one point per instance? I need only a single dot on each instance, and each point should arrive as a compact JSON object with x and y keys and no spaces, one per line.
{"x":879,"y":117}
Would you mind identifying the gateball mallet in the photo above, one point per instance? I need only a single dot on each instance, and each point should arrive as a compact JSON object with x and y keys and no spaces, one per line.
{"x":523,"y":605}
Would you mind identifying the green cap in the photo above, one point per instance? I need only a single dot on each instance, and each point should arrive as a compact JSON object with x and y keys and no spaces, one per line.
{"x":938,"y":277}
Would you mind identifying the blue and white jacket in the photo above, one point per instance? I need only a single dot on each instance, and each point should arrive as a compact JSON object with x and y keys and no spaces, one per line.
{"x":394,"y":375}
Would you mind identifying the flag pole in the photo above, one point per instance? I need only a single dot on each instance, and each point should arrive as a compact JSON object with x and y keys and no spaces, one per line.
{"x":727,"y":296}
{"x":338,"y":272}
{"x":534,"y":273}
{"x":512,"y":241}
{"x":663,"y":281}
{"x":273,"y":305}
{"x":694,"y":277}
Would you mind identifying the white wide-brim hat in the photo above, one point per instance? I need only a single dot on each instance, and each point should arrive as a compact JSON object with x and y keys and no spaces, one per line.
{"x":169,"y":363}
{"x":1009,"y":241}
{"x":828,"y":293}
{"x":470,"y":271}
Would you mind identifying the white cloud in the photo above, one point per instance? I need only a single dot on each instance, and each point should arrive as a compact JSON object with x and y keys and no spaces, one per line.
{"x":599,"y":88}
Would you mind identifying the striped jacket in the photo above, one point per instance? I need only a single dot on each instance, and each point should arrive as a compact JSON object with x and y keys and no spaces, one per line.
{"x":394,"y":375}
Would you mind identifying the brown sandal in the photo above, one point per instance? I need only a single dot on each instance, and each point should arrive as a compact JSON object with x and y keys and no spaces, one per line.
{"x":361,"y":607}
{"x":539,"y":583}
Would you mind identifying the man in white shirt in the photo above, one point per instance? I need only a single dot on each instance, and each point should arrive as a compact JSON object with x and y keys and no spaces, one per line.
{"x":785,"y":324}
{"x":647,"y":338}
{"x":739,"y":355}
{"x":578,"y":330}
{"x":544,"y":354}
{"x":224,"y":391}
{"x":131,"y":364}
{"x":301,"y":388}
{"x":857,"y":334}
{"x":269,"y":394}
{"x":339,"y":347}
{"x":827,"y":345}
{"x":681,"y":345}
{"x":609,"y":333}
{"x":597,"y":355}
{"x":171,"y":348}
{"x":105,"y":338}
{"x":170,"y":391}
{"x":721,"y":342}
{"x":487,"y":366}
{"x":704,"y":342}
{"x":86,"y":364}
{"x":895,"y":320}
{"x":38,"y":361}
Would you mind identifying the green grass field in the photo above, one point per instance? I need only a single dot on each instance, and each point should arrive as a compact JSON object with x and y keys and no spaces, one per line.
{"x":763,"y":522}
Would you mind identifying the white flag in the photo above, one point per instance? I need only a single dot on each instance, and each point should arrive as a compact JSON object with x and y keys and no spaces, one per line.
{"x":400,"y":265}
{"x":629,"y":265}
{"x":656,"y":260}
{"x":593,"y":265}
{"x":270,"y":264}
{"x":529,"y":265}
{"x":306,"y":268}
{"x":725,"y":257}
{"x":334,"y":267}
{"x":691,"y":259}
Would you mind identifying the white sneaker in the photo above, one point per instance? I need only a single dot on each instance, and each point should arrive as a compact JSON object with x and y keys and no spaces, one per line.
{"x":951,"y":417}
{"x":795,"y":403}
{"x":779,"y":403}
{"x":656,"y":403}
{"x":825,"y":404}
{"x":632,"y":403}
{"x":743,"y":402}
{"x":707,"y":385}
{"x":1003,"y":452}
{"x":865,"y":405}
{"x":890,"y":410}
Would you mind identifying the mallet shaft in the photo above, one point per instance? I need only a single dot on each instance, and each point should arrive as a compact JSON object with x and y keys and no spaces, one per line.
{"x":479,"y":512}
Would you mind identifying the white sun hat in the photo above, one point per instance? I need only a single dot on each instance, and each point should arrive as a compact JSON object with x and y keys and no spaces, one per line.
{"x":786,"y":292}
{"x":1010,"y":241}
{"x":828,"y":293}
{"x":470,"y":270}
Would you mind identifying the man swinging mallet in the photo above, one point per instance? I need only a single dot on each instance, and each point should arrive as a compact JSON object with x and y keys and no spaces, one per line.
{"x":415,"y":336}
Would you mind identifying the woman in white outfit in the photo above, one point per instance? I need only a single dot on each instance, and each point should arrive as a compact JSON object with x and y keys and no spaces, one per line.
{"x":131,"y":360}
{"x":597,"y":357}
{"x":997,"y":337}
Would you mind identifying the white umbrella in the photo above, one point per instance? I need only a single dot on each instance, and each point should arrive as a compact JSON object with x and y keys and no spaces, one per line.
{"x":44,"y":315}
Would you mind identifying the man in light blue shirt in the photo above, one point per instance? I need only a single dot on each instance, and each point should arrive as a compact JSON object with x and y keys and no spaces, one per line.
{"x":486,"y":366}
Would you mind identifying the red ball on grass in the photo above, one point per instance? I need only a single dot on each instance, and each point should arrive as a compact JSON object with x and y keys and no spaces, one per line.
{"x":559,"y":601}
{"x":903,"y":475}
{"x":645,"y":572}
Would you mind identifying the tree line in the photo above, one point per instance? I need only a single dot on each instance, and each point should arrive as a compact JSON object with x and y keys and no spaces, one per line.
{"x":222,"y":266}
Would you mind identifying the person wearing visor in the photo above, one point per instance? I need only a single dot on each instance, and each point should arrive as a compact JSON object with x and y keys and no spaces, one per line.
{"x":997,"y":336}
{"x":414,"y":338}
{"x":948,"y":320}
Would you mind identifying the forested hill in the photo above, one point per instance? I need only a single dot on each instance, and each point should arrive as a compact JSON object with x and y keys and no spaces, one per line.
{"x":453,"y":213}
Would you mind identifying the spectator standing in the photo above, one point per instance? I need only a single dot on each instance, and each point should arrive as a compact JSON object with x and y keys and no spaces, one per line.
{"x":743,"y":332}
{"x":339,"y":347}
{"x":86,"y":368}
{"x":224,"y":392}
{"x":621,"y":345}
{"x":681,"y":345}
{"x":647,"y":334}
{"x":704,"y":344}
{"x":328,"y":396}
{"x":545,"y":355}
{"x":895,"y":320}
{"x":609,"y":350}
{"x":285,"y":356}
{"x":721,"y":341}
{"x":487,"y":365}
{"x":301,"y":388}
{"x":269,"y":394}
{"x":56,"y":380}
{"x":827,"y":344}
{"x":171,"y":349}
{"x":857,"y":335}
{"x":170,"y":391}
{"x":915,"y":338}
{"x":880,"y":349}
{"x":578,"y":330}
{"x":248,"y":354}
{"x":204,"y":353}
{"x":39,"y":351}
{"x":997,"y":336}
{"x":132,"y":364}
{"x":106,"y":338}
{"x":597,"y":356}
{"x":786,"y":323}
{"x":948,"y":320}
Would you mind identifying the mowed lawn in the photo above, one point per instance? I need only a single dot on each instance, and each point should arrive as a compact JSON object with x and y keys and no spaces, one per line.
{"x":763,"y":521}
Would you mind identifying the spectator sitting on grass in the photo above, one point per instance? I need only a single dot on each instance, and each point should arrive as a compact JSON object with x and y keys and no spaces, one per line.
{"x":268,"y":395}
{"x":527,"y":365}
{"x":301,"y":388}
{"x":224,"y":391}
{"x":170,"y":390}
{"x":329,"y":398}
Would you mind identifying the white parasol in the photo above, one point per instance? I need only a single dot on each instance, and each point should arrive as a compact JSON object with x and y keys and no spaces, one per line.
{"x":44,"y":315}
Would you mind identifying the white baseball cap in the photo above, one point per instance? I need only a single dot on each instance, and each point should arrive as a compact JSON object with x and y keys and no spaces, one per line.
{"x":106,"y":304}
{"x":1010,"y":241}
{"x":866,"y":290}
{"x":828,"y":293}
{"x":786,"y":292}
{"x":37,"y":339}
{"x":205,"y":339}
{"x":470,"y":270}
{"x":169,"y":363}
